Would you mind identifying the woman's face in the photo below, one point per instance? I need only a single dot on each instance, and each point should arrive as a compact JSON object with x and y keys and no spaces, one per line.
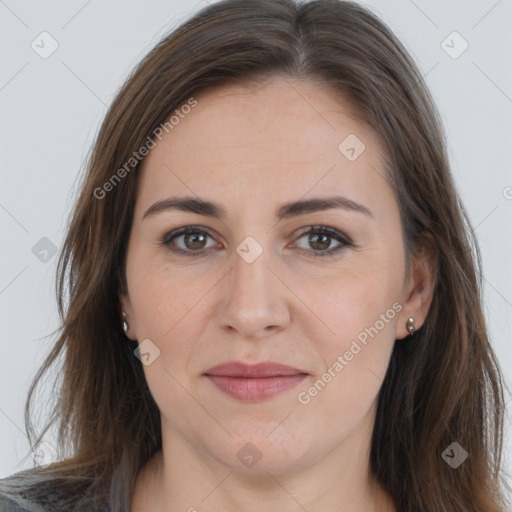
{"x":250,"y":284}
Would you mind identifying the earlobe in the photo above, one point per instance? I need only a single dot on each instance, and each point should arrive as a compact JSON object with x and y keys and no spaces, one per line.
{"x":127,"y":320}
{"x":419,"y":292}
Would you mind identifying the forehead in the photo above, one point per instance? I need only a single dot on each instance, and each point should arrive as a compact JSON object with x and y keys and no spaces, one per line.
{"x":276,"y":140}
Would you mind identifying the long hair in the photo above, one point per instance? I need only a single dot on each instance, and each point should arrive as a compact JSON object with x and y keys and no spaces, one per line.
{"x":442,"y":387}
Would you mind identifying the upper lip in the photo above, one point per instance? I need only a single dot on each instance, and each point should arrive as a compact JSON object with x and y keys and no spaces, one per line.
{"x":265,"y":369}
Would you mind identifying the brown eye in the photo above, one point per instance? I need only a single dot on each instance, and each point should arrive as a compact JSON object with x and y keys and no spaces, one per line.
{"x":320,"y":239}
{"x":192,"y":241}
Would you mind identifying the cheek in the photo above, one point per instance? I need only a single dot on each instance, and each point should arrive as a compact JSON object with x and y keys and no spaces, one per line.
{"x":162,"y":296}
{"x":361,"y":314}
{"x":171,"y":317}
{"x":354,"y":365}
{"x":354,"y":299}
{"x":166,"y":314}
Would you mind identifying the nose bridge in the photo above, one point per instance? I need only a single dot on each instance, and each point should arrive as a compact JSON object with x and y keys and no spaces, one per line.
{"x":253,"y":300}
{"x":250,"y":279}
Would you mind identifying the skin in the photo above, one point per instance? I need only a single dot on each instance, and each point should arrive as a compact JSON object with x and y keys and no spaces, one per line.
{"x":251,"y":149}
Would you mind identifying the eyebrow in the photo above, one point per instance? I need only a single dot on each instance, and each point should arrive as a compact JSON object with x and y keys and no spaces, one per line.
{"x":286,"y":211}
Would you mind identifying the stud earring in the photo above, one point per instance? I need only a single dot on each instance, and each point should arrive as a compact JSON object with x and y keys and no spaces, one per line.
{"x":125,"y":322}
{"x":410,"y":325}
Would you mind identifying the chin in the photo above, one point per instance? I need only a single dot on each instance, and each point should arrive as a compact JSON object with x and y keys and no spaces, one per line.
{"x":257,"y":454}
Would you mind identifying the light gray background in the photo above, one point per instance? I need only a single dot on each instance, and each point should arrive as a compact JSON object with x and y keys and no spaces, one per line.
{"x":51,"y":108}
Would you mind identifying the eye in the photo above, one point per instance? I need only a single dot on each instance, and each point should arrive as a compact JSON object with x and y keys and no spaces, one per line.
{"x":193,"y":240}
{"x":320,"y":238}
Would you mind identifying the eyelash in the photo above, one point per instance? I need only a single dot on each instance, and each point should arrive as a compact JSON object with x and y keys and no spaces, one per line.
{"x":323,"y":230}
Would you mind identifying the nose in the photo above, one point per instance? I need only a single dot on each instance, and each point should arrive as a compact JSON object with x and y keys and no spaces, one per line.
{"x":254,"y":301}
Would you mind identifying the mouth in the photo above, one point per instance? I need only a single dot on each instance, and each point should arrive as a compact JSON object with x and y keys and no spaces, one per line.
{"x":254,"y":383}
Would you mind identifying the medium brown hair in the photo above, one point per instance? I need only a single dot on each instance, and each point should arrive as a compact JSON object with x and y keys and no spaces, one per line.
{"x":442,"y":386}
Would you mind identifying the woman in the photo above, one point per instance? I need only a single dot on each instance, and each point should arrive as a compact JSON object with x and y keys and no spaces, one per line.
{"x":269,"y":213}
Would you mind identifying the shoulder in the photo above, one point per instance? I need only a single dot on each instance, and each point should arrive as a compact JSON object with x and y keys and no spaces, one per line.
{"x":16,"y":504}
{"x":22,"y":492}
{"x":33,"y":491}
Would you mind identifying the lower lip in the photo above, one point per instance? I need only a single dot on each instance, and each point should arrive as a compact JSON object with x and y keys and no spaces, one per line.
{"x":253,"y":390}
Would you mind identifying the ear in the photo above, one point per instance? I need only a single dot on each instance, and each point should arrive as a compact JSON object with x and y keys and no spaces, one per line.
{"x":419,"y":285}
{"x":126,"y":306}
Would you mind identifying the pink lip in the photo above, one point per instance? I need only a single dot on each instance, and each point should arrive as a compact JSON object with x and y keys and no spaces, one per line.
{"x":254,"y":382}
